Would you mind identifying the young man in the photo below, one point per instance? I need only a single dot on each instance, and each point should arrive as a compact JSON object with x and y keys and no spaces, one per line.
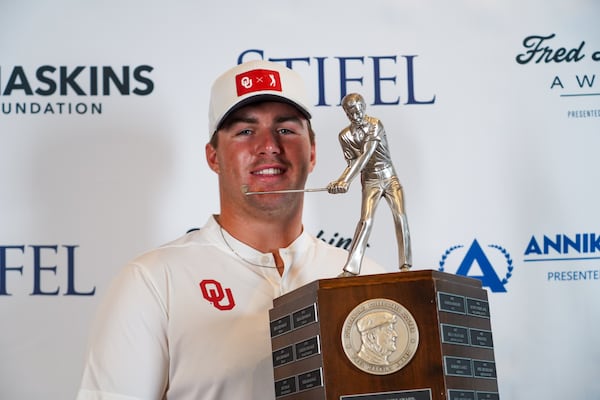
{"x":189,"y":320}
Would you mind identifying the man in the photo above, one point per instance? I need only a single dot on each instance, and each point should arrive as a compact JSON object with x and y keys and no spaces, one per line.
{"x":189,"y":320}
{"x":366,"y":151}
{"x":378,"y":337}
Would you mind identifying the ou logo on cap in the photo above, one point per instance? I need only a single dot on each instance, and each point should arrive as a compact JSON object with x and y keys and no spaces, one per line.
{"x":246,"y":82}
{"x":258,"y":80}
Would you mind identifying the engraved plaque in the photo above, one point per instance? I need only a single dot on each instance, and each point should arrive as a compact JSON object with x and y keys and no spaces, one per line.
{"x":461,"y":395}
{"x":487,"y":396}
{"x":478,"y":308}
{"x":281,"y":325}
{"x":285,"y":387}
{"x":305,"y":316}
{"x":283,"y":356}
{"x":452,"y":303}
{"x":424,"y":394}
{"x":484,"y":369}
{"x":455,"y":334}
{"x":309,"y":380}
{"x":458,"y":366}
{"x":481,"y":338}
{"x":307,"y":348}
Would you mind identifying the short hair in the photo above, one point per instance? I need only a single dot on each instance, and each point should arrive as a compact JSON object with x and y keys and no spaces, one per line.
{"x":353,"y":98}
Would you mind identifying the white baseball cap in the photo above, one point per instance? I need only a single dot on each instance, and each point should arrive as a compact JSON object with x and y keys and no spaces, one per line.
{"x":254,"y":81}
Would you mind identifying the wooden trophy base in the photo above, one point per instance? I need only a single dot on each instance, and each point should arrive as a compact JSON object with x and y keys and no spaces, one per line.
{"x":420,"y":335}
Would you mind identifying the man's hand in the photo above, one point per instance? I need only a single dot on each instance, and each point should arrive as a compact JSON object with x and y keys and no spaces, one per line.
{"x":339,"y":186}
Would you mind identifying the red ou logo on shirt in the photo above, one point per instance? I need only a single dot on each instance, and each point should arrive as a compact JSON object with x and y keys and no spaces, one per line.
{"x":213,"y":292}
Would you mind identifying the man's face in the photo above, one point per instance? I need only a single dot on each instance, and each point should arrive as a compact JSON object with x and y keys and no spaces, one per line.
{"x":262,"y":146}
{"x":355,"y":112}
{"x":386,"y":338}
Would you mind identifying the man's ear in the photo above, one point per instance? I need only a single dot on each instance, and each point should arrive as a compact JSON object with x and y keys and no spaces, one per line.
{"x":211,"y":157}
{"x":313,"y":157}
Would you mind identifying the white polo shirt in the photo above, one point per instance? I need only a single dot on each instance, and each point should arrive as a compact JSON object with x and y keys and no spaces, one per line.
{"x":190,"y":320}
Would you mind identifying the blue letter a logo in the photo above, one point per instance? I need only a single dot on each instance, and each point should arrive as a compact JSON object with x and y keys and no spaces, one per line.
{"x":489,"y":277}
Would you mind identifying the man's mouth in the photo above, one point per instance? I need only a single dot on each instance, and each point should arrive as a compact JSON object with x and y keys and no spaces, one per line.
{"x":268,"y":171}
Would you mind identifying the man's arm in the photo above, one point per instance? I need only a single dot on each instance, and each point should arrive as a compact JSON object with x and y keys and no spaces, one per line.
{"x":342,"y":184}
{"x":128,"y":354}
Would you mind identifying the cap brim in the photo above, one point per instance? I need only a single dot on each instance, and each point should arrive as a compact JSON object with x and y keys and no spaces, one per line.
{"x":257,"y":99}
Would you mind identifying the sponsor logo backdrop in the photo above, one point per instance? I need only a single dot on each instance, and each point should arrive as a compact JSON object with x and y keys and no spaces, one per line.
{"x":492,"y":112}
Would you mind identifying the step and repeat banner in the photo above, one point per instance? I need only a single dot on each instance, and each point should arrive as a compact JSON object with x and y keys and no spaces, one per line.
{"x":492,"y":111}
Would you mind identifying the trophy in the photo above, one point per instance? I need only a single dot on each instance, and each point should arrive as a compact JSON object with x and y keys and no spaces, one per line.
{"x":418,"y":335}
{"x":408,"y":335}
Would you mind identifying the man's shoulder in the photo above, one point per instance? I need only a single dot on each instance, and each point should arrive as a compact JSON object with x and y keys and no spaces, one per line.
{"x":345,"y":132}
{"x":192,"y":243}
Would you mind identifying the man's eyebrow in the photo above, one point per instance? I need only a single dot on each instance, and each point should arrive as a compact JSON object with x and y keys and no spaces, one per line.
{"x":288,"y":118}
{"x":234,"y":119}
{"x":238,"y":118}
{"x":248,"y":119}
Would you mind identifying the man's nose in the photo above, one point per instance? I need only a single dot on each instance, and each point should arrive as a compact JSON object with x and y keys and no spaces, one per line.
{"x":268,"y":143}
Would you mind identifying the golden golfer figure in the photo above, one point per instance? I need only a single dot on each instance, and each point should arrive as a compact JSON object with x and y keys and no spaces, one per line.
{"x":365,"y":147}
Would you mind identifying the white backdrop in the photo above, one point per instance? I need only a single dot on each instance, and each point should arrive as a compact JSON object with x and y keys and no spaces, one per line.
{"x":497,"y":158}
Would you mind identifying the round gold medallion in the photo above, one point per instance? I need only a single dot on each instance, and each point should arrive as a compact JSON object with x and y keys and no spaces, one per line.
{"x":380,"y":336}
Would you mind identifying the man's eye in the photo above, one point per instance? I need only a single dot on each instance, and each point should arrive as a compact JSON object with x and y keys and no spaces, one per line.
{"x":244,"y":132}
{"x":285,"y":131}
